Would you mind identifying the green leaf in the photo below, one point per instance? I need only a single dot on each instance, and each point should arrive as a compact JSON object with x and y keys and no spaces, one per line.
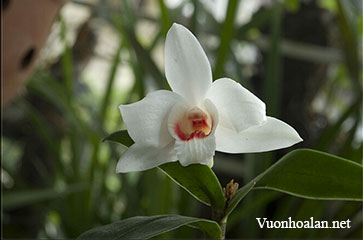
{"x":199,"y":180}
{"x":252,"y":206}
{"x":356,"y":5}
{"x":110,"y":82}
{"x":309,"y":174}
{"x":21,"y":198}
{"x":67,"y":59}
{"x":240,"y":194}
{"x":227,"y":33}
{"x":142,"y":227}
{"x":142,"y":54}
{"x":121,"y":137}
{"x":312,"y":174}
{"x":273,"y":77}
{"x":165,"y":19}
{"x":330,"y":134}
{"x":351,"y":43}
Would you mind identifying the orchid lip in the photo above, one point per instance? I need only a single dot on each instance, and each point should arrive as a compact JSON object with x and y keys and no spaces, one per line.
{"x":195,"y":123}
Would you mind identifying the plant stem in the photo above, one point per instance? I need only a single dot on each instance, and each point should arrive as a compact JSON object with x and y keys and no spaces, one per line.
{"x":223,"y":225}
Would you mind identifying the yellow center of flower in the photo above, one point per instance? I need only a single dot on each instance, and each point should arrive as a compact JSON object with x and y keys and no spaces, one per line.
{"x":194,"y":124}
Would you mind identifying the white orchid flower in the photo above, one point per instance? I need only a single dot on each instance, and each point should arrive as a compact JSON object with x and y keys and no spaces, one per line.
{"x":199,"y":116}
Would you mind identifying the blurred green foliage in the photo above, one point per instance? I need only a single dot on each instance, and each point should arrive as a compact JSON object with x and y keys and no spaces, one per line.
{"x":302,"y":58}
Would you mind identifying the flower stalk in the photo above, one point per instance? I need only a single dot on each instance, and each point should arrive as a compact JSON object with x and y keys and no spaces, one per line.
{"x":223,"y":225}
{"x":220,"y":217}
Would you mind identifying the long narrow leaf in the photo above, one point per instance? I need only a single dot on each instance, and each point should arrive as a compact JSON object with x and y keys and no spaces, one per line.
{"x":142,"y":227}
{"x":272,"y":86}
{"x":21,"y":198}
{"x":227,"y":34}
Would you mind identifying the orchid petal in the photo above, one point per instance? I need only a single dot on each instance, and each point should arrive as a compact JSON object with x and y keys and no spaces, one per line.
{"x":196,"y":150}
{"x":187,"y":68}
{"x":238,"y":108}
{"x":146,"y":120}
{"x":271,"y":135}
{"x":140,"y":157}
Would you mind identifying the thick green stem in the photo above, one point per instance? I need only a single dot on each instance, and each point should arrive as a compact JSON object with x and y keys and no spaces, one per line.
{"x":218,"y":216}
{"x":223,"y":225}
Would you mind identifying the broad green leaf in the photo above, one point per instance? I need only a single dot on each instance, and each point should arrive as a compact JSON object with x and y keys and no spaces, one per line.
{"x":199,"y":180}
{"x":313,"y":174}
{"x":252,"y":206}
{"x":309,"y":174}
{"x":145,"y":227}
{"x":121,"y":137}
{"x":240,"y":194}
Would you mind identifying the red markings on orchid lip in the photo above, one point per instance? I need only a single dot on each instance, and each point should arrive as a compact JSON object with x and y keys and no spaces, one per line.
{"x":193,"y":124}
{"x":186,"y":137}
{"x":196,"y":134}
